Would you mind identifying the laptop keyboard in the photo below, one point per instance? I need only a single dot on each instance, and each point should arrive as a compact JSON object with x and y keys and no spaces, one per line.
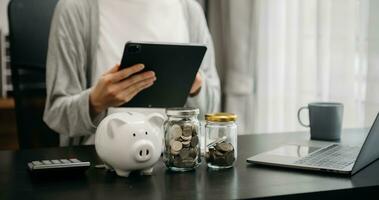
{"x":334,"y":156}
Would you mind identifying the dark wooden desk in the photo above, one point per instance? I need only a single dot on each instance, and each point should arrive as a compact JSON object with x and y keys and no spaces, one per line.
{"x":243,"y":181}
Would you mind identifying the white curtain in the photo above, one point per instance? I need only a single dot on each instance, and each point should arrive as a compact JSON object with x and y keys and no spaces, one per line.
{"x":4,"y":16}
{"x":275,"y":56}
{"x":371,"y":101}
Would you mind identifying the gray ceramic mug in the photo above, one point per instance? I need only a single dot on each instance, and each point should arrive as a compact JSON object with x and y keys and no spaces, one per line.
{"x":325,"y":120}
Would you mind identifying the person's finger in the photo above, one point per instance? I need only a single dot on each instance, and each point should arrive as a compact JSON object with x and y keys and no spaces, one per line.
{"x":136,"y":86}
{"x":125,"y":73}
{"x":133,"y":93}
{"x":196,"y":84}
{"x":136,"y":78}
{"x":113,"y":69}
{"x":115,"y":90}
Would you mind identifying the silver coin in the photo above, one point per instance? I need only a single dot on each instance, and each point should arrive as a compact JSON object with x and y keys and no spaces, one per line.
{"x":224,"y":147}
{"x":186,"y":138}
{"x":186,"y":143}
{"x":174,"y":152}
{"x":176,"y":146}
{"x":188,"y":163}
{"x":175,"y":131}
{"x":229,"y":158}
{"x":184,"y":154}
{"x":194,"y":130}
{"x":194,"y":141}
{"x":193,"y":153}
{"x":187,"y":130}
{"x":218,"y":153}
{"x":170,"y":143}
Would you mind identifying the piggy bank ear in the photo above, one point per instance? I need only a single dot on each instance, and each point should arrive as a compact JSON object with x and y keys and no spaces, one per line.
{"x":113,"y":126}
{"x":156,"y":120}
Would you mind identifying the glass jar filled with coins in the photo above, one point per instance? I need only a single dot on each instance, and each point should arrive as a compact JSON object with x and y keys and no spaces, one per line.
{"x":220,"y":140}
{"x":182,"y":149}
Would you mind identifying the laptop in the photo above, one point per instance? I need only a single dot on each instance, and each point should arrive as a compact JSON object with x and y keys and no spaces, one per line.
{"x":334,"y":157}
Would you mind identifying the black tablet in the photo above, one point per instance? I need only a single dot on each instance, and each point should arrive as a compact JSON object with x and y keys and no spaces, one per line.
{"x":175,"y":66}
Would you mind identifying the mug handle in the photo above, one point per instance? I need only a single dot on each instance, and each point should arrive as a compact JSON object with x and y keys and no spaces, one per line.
{"x":298,"y":116}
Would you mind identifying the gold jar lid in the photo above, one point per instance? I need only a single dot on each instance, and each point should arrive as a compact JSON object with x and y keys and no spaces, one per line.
{"x":221,"y":117}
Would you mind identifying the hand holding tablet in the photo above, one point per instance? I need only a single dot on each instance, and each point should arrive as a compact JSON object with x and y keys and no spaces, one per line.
{"x":150,"y":75}
{"x":175,"y":66}
{"x":115,"y":87}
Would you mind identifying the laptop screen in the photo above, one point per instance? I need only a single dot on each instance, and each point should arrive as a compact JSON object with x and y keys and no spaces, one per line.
{"x":369,"y":151}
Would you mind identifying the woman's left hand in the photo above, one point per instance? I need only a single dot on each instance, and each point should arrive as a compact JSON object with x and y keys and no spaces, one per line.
{"x":196,"y":86}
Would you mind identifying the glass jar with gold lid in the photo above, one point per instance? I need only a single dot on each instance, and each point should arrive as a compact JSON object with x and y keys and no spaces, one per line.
{"x":220,"y":140}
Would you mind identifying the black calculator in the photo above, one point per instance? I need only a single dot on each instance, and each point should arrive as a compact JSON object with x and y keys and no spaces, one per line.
{"x":58,"y":166}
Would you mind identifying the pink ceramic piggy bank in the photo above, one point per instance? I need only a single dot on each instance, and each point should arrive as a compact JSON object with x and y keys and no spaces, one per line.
{"x":129,"y":141}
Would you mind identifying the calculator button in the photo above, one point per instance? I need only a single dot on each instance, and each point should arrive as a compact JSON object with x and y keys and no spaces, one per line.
{"x":56,"y":161}
{"x":74,"y":160}
{"x":37,"y":163}
{"x":65,"y":161}
{"x":46,"y":162}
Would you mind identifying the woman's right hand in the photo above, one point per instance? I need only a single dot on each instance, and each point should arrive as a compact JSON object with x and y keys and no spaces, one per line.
{"x":118,"y":87}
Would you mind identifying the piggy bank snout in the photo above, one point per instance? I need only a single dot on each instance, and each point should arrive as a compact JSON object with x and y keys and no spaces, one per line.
{"x":143,"y":151}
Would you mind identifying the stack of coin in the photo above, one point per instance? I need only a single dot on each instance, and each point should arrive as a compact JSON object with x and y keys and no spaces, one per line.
{"x":221,"y":154}
{"x":182,"y":149}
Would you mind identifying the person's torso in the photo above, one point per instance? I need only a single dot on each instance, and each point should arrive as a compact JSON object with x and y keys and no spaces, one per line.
{"x":136,"y":20}
{"x":121,"y":21}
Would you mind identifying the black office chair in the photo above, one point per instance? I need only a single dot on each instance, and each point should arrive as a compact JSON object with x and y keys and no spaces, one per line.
{"x":29,"y":26}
